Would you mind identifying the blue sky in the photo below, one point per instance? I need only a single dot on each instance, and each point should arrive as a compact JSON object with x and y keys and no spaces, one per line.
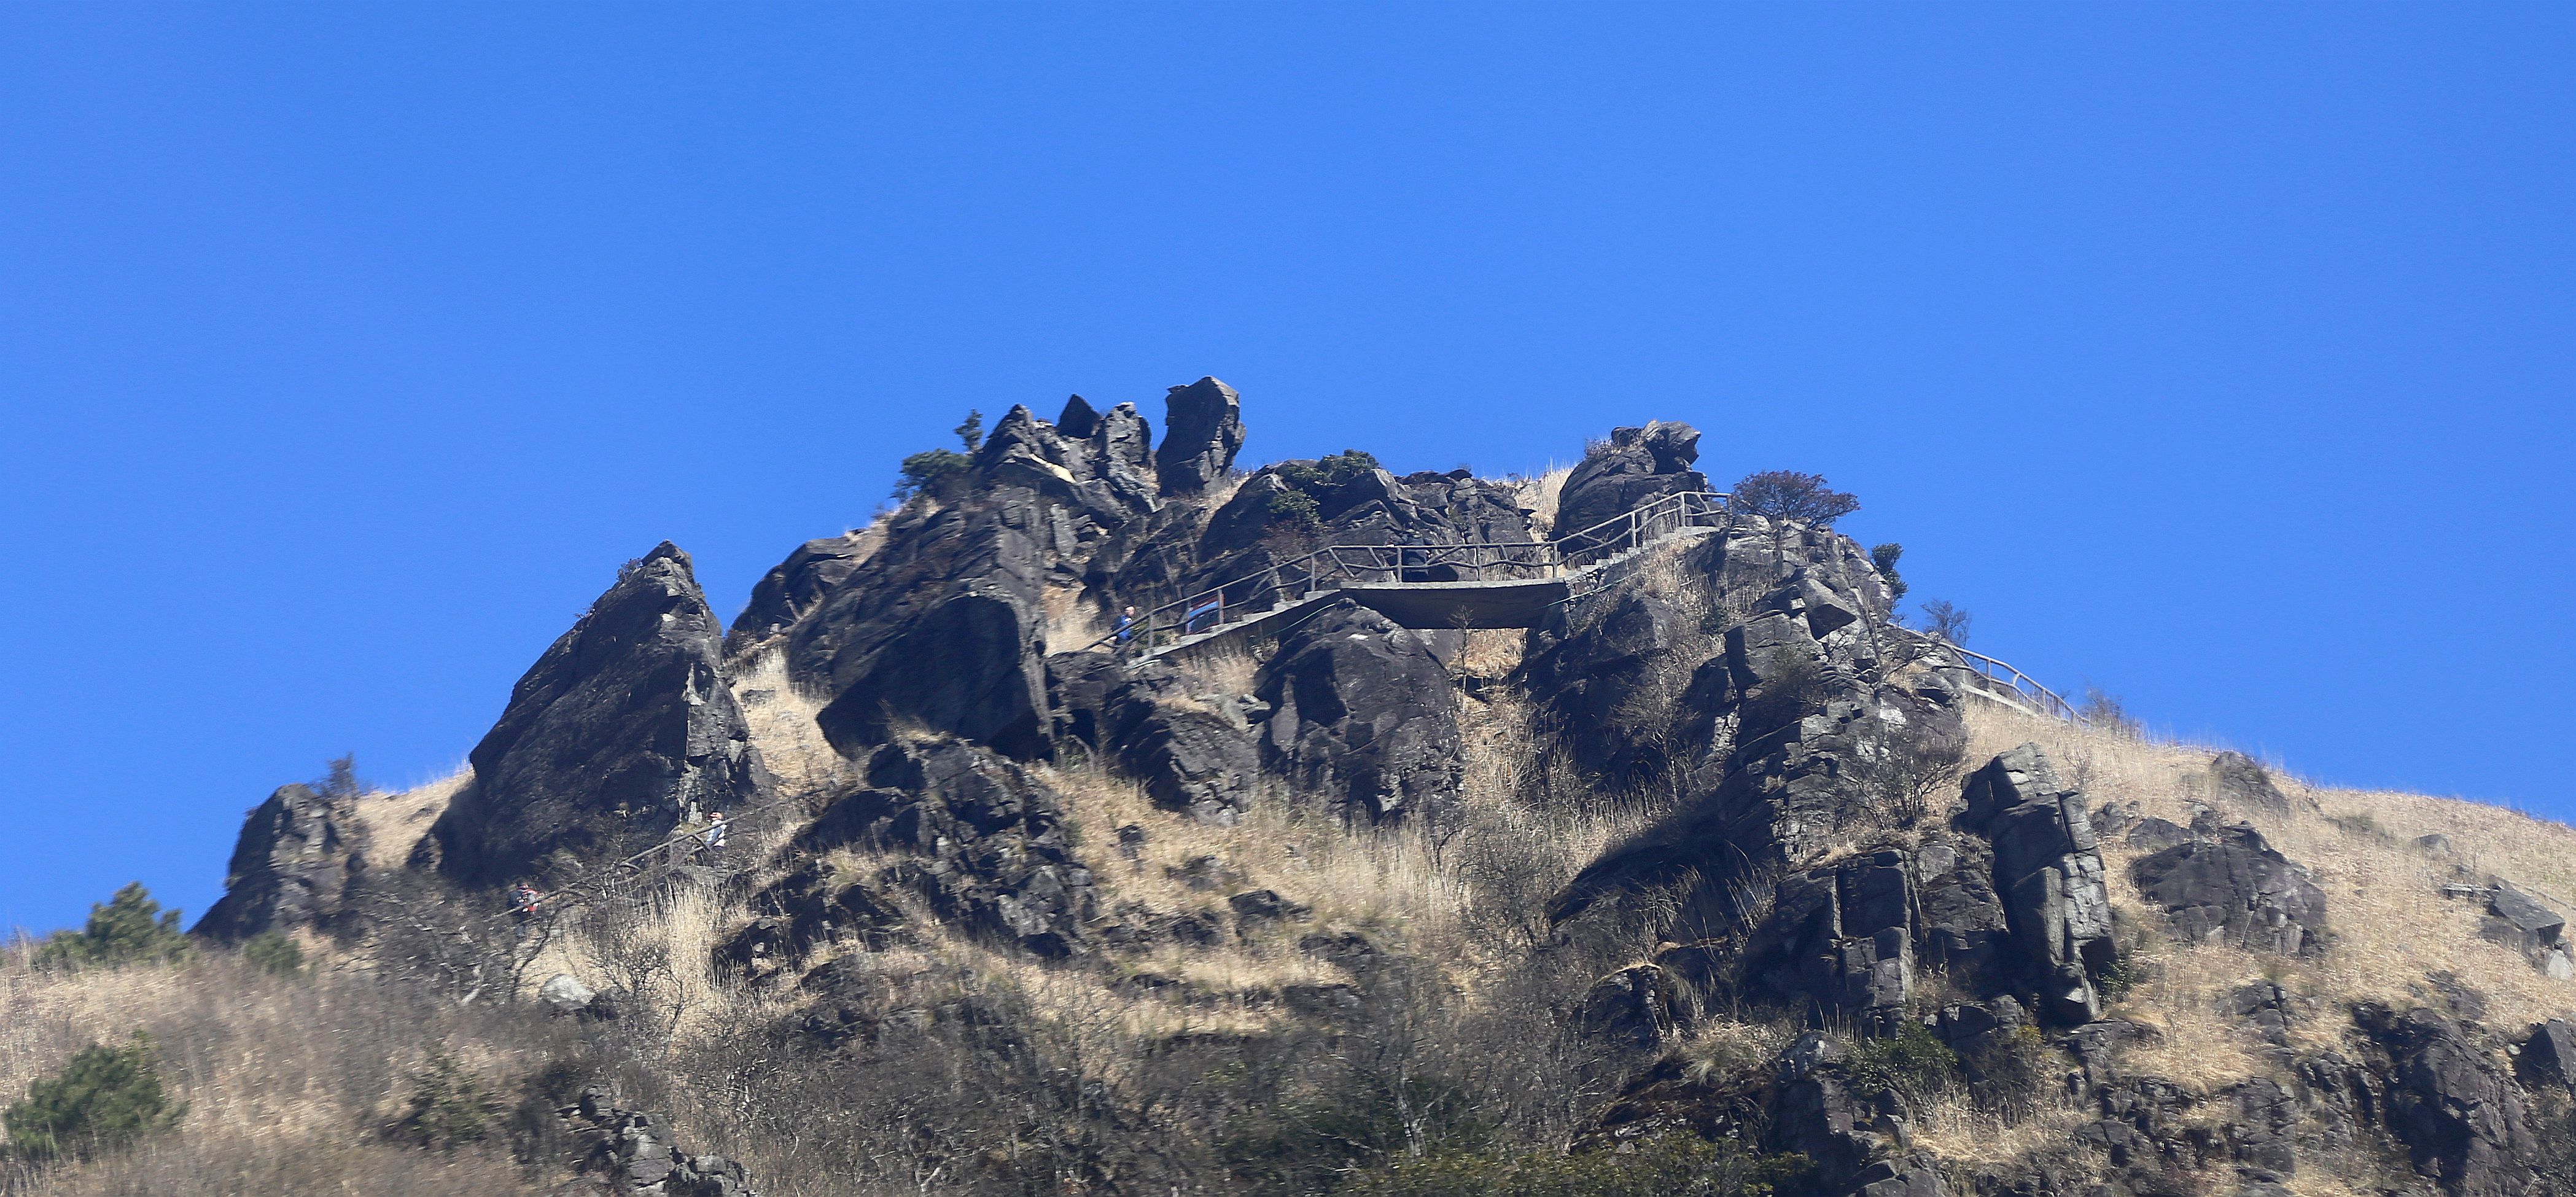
{"x":2218,"y":355}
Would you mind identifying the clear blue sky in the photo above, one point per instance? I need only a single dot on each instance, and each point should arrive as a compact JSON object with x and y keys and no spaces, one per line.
{"x":2218,"y":355}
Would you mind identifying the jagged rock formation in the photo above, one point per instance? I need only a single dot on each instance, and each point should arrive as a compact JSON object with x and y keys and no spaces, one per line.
{"x":1201,"y":434}
{"x":985,"y":846}
{"x":1634,"y":467}
{"x":298,"y":856}
{"x":1363,"y":713}
{"x":2233,"y":888}
{"x":2048,"y":871}
{"x":623,"y":729}
{"x":628,"y":1154}
{"x":1800,"y":955}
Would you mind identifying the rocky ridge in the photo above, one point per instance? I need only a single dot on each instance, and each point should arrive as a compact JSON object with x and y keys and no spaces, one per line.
{"x":1817,"y":865}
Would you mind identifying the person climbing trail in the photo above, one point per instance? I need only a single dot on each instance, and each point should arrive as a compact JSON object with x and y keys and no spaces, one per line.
{"x":1126,"y":629}
{"x":714,"y":835}
{"x":524,"y":900}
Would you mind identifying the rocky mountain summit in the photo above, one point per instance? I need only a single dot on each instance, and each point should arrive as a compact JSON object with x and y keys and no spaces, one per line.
{"x":1715,"y":861}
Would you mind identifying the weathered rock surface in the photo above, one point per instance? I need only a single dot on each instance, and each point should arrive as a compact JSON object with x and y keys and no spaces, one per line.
{"x":1839,"y":942}
{"x":2048,"y":871}
{"x":1362,"y":713}
{"x":298,"y":855}
{"x":986,"y":846}
{"x":1202,"y":431}
{"x":795,"y":587}
{"x":623,"y":729}
{"x":2521,"y":921}
{"x":2233,"y":888}
{"x":630,"y":1154}
{"x":2464,"y":1124}
{"x":1637,"y":1005}
{"x":1187,"y":756}
{"x":2238,"y":779}
{"x":1633,"y":468}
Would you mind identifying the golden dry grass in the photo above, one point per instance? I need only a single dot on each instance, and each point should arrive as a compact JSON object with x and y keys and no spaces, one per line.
{"x":2390,"y":926}
{"x":287,"y":1080}
{"x":393,"y":822}
{"x":1539,"y":494}
{"x":780,"y":718}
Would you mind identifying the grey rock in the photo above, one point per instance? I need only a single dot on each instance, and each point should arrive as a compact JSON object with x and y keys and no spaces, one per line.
{"x":2463,"y":1124}
{"x":2238,"y":779}
{"x":1839,"y":941}
{"x":795,"y":587}
{"x":296,"y":863}
{"x":631,"y":1153}
{"x":622,"y":730}
{"x":1633,"y":468}
{"x":1962,"y":930}
{"x":2548,"y":1056}
{"x":1187,"y":757}
{"x":2436,"y":843}
{"x":2048,"y":871}
{"x":2522,"y":922}
{"x":1363,"y":714}
{"x":566,"y":993}
{"x":985,"y":840}
{"x":2233,"y":888}
{"x":1637,"y":1005}
{"x":1202,"y":431}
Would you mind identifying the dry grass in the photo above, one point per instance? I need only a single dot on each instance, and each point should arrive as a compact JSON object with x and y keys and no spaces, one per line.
{"x":286,"y":1080}
{"x":780,"y":717}
{"x":1957,"y":1130}
{"x":393,"y":822}
{"x":1540,"y":494}
{"x":2390,"y":927}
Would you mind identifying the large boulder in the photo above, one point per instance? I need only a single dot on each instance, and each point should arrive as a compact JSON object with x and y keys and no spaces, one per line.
{"x":298,"y":855}
{"x":2232,"y":887}
{"x":2464,"y":1123}
{"x":1187,"y":755}
{"x":1634,"y":467}
{"x":795,"y":587}
{"x":621,"y":731}
{"x":1362,"y":713}
{"x":2048,"y":872}
{"x":984,"y":842}
{"x":632,"y":1153}
{"x":1202,"y":431}
{"x":943,"y":630}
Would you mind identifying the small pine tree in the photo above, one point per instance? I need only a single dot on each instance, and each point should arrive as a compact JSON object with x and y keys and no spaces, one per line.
{"x":1884,"y":557}
{"x":971,"y":432}
{"x":103,"y":1099}
{"x":128,"y":928}
{"x":341,"y":783}
{"x":447,"y":1107}
{"x":1946,"y":621}
{"x":273,"y":953}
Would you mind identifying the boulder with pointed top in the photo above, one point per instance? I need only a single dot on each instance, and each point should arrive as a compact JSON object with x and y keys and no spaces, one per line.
{"x":1202,"y":431}
{"x":1363,"y":713}
{"x":621,"y":731}
{"x":298,"y":855}
{"x":1634,"y":467}
{"x":2048,"y":871}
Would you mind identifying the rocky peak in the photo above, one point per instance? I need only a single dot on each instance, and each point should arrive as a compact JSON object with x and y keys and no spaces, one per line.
{"x":1202,"y":431}
{"x":1634,"y":467}
{"x":622,"y":730}
{"x":298,"y":855}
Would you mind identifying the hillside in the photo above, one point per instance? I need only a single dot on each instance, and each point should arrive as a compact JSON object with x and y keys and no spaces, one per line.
{"x":1567,"y":835}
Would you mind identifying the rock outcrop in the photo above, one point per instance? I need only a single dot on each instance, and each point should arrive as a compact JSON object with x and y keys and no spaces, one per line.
{"x":1189,"y":754}
{"x":1362,"y":713}
{"x":1202,"y":431}
{"x":622,"y":730}
{"x":2231,"y":887}
{"x":984,"y":843}
{"x":2463,"y":1122}
{"x":793,"y":589}
{"x":1634,"y":467}
{"x":2048,"y":872}
{"x":298,"y":855}
{"x":628,"y":1154}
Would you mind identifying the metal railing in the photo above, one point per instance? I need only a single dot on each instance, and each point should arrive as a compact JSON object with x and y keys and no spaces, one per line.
{"x":1336,"y":566}
{"x":2026,"y":688}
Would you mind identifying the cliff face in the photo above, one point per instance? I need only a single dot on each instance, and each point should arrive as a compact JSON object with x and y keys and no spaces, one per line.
{"x":1721,"y":853}
{"x":623,"y":730}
